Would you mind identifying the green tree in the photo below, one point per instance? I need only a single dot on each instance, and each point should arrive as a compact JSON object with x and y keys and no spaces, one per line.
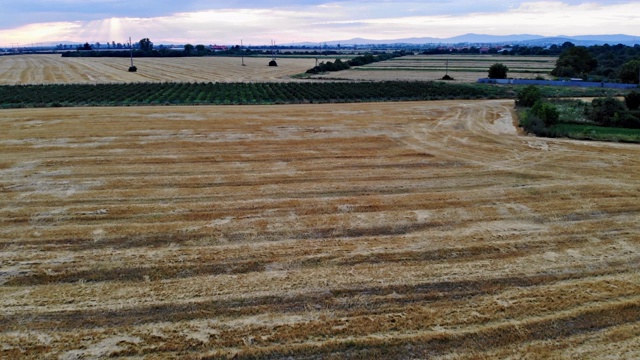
{"x":575,"y":61}
{"x":547,"y":112}
{"x":340,"y":65}
{"x":188,"y":48}
{"x":528,"y":96}
{"x":632,"y":100}
{"x":329,"y":66}
{"x":567,"y":45}
{"x":200,"y":48}
{"x":498,"y":71}
{"x":608,"y":111}
{"x":630,"y":72}
{"x":145,"y":44}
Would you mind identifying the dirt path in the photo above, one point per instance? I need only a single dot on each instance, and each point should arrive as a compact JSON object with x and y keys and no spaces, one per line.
{"x":421,"y":229}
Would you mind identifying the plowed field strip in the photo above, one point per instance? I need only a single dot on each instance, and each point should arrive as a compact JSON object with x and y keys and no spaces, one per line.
{"x":215,"y":265}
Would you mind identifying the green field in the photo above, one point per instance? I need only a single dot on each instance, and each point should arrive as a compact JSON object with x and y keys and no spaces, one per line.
{"x":185,"y":93}
{"x":600,"y":133}
{"x":64,"y":95}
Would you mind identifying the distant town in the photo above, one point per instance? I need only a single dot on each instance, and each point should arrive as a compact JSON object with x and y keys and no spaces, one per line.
{"x":469,"y":43}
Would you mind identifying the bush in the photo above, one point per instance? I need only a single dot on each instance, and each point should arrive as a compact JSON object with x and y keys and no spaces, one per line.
{"x":608,"y":111}
{"x":533,"y":124}
{"x":629,"y":72}
{"x":498,"y":71}
{"x":546,"y":112}
{"x":340,"y":65}
{"x":528,"y":96}
{"x":632,"y":100}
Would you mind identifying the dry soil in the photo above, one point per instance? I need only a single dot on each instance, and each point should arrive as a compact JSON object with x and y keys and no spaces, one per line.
{"x":389,"y":230}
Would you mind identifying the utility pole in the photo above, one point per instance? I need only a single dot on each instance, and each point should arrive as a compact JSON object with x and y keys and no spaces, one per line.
{"x":273,"y":49}
{"x":242,"y":52}
{"x":131,"y":51}
{"x":132,"y":68}
{"x":447,"y":66}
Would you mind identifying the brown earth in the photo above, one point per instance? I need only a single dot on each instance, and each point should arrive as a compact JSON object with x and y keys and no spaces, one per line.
{"x":389,"y":230}
{"x":49,"y":69}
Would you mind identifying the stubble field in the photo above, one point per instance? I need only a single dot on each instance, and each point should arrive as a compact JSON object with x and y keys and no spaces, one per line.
{"x":463,"y":68}
{"x":388,"y":230}
{"x":54,"y":69}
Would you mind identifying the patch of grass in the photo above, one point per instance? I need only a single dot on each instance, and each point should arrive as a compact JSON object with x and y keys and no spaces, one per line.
{"x":427,"y":69}
{"x":571,"y":111}
{"x":572,"y":91}
{"x":599,"y":133}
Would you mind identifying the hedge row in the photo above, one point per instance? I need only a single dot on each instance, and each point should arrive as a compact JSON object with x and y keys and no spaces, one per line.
{"x":357,"y":61}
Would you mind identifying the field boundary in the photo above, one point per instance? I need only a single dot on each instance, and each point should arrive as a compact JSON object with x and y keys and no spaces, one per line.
{"x":589,"y":84}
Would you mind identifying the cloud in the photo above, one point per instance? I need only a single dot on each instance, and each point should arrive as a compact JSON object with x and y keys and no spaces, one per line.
{"x":24,"y":12}
{"x":258,"y":22}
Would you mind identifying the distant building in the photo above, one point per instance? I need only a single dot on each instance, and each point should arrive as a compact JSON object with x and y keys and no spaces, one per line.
{"x":219,"y":47}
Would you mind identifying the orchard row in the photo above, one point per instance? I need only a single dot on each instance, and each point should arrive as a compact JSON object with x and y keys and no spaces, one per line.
{"x":236,"y":93}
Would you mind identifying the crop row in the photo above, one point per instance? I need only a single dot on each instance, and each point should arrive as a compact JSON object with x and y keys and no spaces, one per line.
{"x":235,"y":93}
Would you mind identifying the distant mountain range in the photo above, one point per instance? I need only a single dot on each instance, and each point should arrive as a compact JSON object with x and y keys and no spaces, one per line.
{"x":520,"y":39}
{"x":475,"y":39}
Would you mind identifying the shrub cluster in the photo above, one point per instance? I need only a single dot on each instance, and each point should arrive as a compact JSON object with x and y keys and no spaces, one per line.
{"x":528,"y":96}
{"x":611,"y":112}
{"x":547,"y":112}
{"x":632,"y":100}
{"x":542,"y":118}
{"x":538,"y":116}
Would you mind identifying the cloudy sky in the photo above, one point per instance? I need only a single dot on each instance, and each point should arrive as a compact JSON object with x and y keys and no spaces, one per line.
{"x":288,"y":21}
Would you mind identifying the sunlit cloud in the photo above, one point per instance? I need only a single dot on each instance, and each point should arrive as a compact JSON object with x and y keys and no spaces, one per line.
{"x":316,"y":21}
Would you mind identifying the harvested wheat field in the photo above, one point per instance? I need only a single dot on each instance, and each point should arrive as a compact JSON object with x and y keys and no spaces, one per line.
{"x":54,"y":69}
{"x":463,"y":68}
{"x":390,"y":230}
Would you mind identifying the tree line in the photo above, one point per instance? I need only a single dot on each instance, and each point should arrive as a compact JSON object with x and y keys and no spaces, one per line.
{"x":520,"y":50}
{"x":338,"y":64}
{"x":618,"y":63}
{"x":146,"y":48}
